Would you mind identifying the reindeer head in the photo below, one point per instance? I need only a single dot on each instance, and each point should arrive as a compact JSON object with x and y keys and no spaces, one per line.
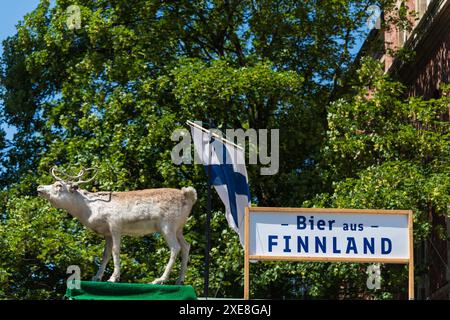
{"x":62,"y":191}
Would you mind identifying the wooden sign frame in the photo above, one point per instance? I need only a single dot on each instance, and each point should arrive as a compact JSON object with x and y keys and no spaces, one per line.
{"x":263,"y":210}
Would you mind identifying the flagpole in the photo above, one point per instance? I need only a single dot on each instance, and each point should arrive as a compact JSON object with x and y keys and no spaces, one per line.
{"x":226,"y":178}
{"x":208,"y":217}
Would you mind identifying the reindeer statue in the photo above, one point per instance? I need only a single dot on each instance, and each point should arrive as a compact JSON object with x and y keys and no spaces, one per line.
{"x":134,"y":213}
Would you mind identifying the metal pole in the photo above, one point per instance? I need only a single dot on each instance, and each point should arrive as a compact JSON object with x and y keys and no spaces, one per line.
{"x":208,"y":219}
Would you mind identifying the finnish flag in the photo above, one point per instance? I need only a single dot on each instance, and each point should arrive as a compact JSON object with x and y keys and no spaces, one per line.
{"x":228,"y":176}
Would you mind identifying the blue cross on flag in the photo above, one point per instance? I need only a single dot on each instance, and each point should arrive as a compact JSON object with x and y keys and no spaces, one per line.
{"x":228,"y":175}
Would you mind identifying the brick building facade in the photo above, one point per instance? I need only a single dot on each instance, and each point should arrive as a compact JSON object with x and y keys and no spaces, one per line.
{"x":423,"y":74}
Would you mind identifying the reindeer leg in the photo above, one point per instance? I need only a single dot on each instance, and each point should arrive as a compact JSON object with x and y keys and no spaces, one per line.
{"x":172,"y":242}
{"x":116,"y":256}
{"x":105,"y":259}
{"x":185,"y":246}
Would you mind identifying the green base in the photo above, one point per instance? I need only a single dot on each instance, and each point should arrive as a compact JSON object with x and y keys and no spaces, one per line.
{"x":90,"y":290}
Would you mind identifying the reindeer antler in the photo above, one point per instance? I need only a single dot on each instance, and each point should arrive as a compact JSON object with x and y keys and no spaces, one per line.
{"x":83,"y":172}
{"x":55,"y":169}
{"x":71,"y":179}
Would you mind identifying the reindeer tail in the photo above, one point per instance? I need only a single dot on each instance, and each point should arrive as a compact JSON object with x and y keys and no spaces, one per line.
{"x":190,"y":193}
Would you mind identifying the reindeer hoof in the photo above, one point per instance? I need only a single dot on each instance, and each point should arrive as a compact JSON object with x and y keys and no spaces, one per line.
{"x":179,"y":282}
{"x":113,"y":279}
{"x":159,"y":281}
{"x":96,"y":278}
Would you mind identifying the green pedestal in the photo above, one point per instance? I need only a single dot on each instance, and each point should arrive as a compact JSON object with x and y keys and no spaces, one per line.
{"x":90,"y":290}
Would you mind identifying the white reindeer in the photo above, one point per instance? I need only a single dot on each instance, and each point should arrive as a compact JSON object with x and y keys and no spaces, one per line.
{"x":134,"y":213}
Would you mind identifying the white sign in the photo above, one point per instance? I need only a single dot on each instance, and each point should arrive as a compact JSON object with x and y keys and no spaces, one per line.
{"x":329,"y":234}
{"x":344,"y":235}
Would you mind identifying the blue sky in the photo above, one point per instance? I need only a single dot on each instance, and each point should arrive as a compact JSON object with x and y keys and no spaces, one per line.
{"x":11,"y":12}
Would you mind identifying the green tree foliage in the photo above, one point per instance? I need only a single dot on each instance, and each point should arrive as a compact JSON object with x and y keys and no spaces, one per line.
{"x":111,"y":93}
